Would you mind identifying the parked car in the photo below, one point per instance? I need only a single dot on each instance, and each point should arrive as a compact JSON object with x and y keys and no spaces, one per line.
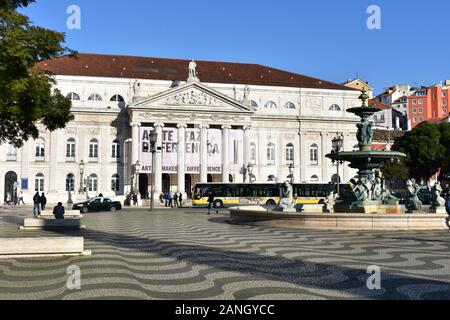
{"x":97,"y":205}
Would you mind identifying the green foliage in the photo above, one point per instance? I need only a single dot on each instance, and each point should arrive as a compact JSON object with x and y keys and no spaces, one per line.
{"x":395,"y":171}
{"x":425,"y":149}
{"x":26,"y":94}
{"x":13,"y":4}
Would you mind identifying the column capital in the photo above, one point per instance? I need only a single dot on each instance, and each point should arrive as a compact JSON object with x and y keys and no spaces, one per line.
{"x":247,"y":127}
{"x":158,"y":124}
{"x":204,"y":126}
{"x":181,"y":125}
{"x":135,"y":124}
{"x":226,"y":127}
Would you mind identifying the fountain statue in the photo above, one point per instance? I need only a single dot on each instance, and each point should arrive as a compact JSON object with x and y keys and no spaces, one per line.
{"x":438,"y":205}
{"x":413,"y":203}
{"x":369,"y":193}
{"x":287,"y":203}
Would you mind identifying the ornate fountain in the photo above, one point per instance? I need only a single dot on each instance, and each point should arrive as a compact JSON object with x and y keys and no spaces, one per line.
{"x":369,"y":192}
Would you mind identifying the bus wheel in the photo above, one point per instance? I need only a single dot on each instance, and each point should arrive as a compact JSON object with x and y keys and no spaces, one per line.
{"x":218,"y":204}
{"x":270,"y":203}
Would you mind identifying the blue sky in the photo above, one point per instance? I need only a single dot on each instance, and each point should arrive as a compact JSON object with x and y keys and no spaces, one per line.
{"x":327,"y":39}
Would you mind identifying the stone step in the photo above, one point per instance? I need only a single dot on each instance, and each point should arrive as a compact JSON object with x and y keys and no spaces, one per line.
{"x":38,"y":224}
{"x":42,"y":247}
{"x":68,"y":213}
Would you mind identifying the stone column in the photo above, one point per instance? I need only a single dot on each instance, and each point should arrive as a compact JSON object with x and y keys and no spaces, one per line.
{"x":158,"y":158}
{"x":181,"y":157}
{"x":304,"y":157}
{"x":204,"y":153}
{"x":324,"y":151}
{"x":135,"y":142}
{"x":246,"y":152}
{"x":53,"y":162}
{"x":225,"y":153}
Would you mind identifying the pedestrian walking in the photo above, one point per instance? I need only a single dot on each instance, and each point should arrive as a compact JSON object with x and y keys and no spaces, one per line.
{"x":135,"y":200}
{"x":8,"y":198}
{"x":211,"y":203}
{"x":36,"y":204}
{"x":59,"y":211}
{"x":180,"y":200}
{"x":43,"y":201}
{"x":175,"y":200}
{"x":161,"y":198}
{"x":170,"y":197}
{"x":21,"y":197}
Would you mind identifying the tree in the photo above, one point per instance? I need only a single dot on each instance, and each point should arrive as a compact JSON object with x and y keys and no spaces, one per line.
{"x":425,"y":153}
{"x":395,"y":171}
{"x":27,"y":97}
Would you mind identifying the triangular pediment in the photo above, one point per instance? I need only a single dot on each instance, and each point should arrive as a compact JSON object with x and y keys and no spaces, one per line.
{"x":192,"y":97}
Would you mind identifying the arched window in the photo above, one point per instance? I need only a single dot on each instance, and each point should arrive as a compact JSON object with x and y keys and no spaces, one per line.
{"x":314,"y":178}
{"x":40,"y":149}
{"x":73,"y":96}
{"x":253,"y":104}
{"x":117,"y":98}
{"x":253,"y":152}
{"x":93,"y":149}
{"x":271,"y":154}
{"x":70,"y":183}
{"x":270,"y":105}
{"x":70,"y":149}
{"x":289,"y":105}
{"x":95,"y":97}
{"x":290,"y":152}
{"x":39,"y":183}
{"x":115,"y":183}
{"x":93,"y":183}
{"x":314,"y":154}
{"x":115,"y":150}
{"x":335,"y":107}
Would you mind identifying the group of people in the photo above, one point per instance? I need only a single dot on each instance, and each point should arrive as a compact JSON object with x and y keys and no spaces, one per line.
{"x":16,"y":199}
{"x":39,"y":202}
{"x":170,"y":200}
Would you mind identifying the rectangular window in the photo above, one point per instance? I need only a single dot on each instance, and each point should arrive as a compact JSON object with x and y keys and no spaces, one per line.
{"x":444,"y":111}
{"x":420,"y":101}
{"x":444,"y":94}
{"x":414,"y":110}
{"x":444,"y":103}
{"x":420,"y":110}
{"x":414,"y":102}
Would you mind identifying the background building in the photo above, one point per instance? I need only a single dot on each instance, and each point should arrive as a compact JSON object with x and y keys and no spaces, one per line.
{"x":213,"y":119}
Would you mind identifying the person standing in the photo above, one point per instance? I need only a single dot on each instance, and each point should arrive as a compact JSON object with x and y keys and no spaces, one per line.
{"x":8,"y":198}
{"x":37,"y":205}
{"x":175,"y":200}
{"x":135,"y":200}
{"x":21,"y":197}
{"x":161,"y":198}
{"x":166,"y":199}
{"x":43,"y":201}
{"x":170,"y":197}
{"x":180,"y":200}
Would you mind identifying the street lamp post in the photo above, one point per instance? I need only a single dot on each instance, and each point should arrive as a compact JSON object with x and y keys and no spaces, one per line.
{"x":291,"y":172}
{"x":81,"y":190}
{"x":136,"y":174}
{"x":153,"y":139}
{"x":337,"y":144}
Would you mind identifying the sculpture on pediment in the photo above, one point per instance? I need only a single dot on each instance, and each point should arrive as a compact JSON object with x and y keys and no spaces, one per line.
{"x":193,"y":71}
{"x":193,"y":97}
{"x":313,"y":102}
{"x":135,"y":89}
{"x":246,"y":94}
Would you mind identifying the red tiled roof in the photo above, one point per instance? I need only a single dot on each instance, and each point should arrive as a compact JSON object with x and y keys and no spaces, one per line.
{"x":100,"y":65}
{"x":376,"y":103}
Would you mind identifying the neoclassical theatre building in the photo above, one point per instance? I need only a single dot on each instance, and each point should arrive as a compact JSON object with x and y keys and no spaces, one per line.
{"x":213,"y":119}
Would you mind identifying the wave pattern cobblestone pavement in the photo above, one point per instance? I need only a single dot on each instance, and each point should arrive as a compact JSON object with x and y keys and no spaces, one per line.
{"x":189,"y":255}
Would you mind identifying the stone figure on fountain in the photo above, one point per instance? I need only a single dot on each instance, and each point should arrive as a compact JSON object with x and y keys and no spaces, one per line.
{"x":438,"y":205}
{"x":287,"y":200}
{"x":413,"y":203}
{"x":365,"y":132}
{"x":330,"y":201}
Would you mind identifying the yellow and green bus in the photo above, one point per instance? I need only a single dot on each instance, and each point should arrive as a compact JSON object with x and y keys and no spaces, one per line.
{"x":266,"y":193}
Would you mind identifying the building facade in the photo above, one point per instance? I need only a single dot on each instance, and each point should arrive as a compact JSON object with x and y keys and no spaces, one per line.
{"x":213,"y":119}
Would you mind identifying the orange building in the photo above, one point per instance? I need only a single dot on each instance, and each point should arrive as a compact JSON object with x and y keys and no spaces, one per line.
{"x":429,"y":104}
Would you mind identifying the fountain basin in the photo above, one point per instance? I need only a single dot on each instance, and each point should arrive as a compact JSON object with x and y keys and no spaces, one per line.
{"x":338,"y":221}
